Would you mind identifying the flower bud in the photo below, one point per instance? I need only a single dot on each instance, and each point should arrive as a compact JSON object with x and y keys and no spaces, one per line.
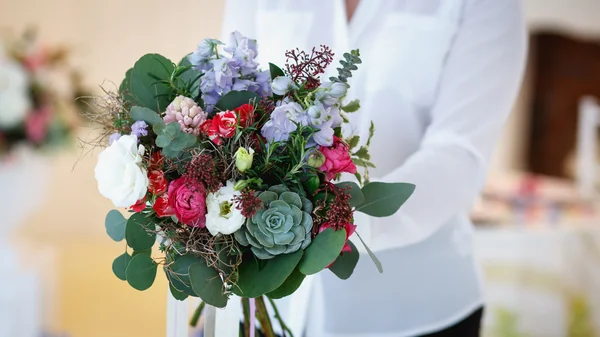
{"x":243,"y":159}
{"x":282,"y":84}
{"x":316,"y":159}
{"x":240,"y":185}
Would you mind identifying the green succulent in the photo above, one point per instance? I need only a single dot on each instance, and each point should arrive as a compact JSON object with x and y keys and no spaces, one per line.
{"x":283,"y":225}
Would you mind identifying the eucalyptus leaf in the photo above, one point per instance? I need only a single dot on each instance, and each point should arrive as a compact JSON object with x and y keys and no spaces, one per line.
{"x":115,"y":224}
{"x":178,"y":295}
{"x":344,"y":265}
{"x":139,"y":232}
{"x":207,"y":283}
{"x":384,"y":199}
{"x":120,"y":264}
{"x":356,"y":196}
{"x":141,"y":272}
{"x":254,"y":282}
{"x":145,"y":88}
{"x":139,"y":113}
{"x":235,"y":99}
{"x":322,"y":251}
{"x":291,"y":284}
{"x":178,"y":273}
{"x":371,"y":254}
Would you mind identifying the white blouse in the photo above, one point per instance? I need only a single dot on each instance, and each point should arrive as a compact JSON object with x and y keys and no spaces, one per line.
{"x":438,"y":78}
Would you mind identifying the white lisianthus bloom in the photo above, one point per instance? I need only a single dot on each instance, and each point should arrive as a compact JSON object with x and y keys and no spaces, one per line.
{"x":14,"y":94}
{"x":119,"y":172}
{"x":222,"y":216}
{"x":282,"y":84}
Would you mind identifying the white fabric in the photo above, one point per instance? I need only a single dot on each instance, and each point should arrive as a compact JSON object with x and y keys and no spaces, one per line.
{"x":438,"y":78}
{"x":587,"y":138}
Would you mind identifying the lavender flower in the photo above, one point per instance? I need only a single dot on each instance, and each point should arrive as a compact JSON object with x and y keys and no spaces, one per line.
{"x":139,"y":129}
{"x":278,"y":127}
{"x":113,"y":138}
{"x":294,"y":112}
{"x":324,"y":137}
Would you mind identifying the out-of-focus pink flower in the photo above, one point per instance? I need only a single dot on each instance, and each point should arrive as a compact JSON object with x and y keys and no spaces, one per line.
{"x":37,"y":123}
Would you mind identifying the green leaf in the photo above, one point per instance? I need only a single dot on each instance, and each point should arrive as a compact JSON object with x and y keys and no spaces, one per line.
{"x":189,"y":76}
{"x":125,"y":88}
{"x":291,"y":284}
{"x":356,"y":196}
{"x":363,"y":153}
{"x":145,"y":251}
{"x":352,"y":106}
{"x":234,"y":99}
{"x":115,"y":224}
{"x":353,"y":142}
{"x":275,"y":71}
{"x":207,"y":284}
{"x":144,"y":86}
{"x":120,"y":264}
{"x":141,"y":272}
{"x":322,"y":251}
{"x":362,"y":163}
{"x":344,"y":265}
{"x":371,"y":255}
{"x":158,"y":128}
{"x":359,"y":178}
{"x":183,"y":140}
{"x":163,"y":141}
{"x":139,"y":113}
{"x":139,"y":232}
{"x":178,"y":273}
{"x":178,"y":295}
{"x":253,"y":282}
{"x":384,"y":199}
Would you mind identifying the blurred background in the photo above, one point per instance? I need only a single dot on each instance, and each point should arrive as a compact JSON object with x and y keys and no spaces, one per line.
{"x":537,"y":234}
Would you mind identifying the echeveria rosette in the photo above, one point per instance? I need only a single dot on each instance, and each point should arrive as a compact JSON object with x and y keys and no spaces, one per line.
{"x":283,"y":226}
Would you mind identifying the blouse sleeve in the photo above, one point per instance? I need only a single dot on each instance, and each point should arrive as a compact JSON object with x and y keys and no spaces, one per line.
{"x":478,"y":87}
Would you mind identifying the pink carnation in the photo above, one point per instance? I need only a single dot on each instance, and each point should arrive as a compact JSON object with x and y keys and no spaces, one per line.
{"x":187,"y":113}
{"x":187,"y":199}
{"x":337,"y":159}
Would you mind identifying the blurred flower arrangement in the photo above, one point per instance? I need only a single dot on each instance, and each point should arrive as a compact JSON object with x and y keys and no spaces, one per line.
{"x":37,"y":94}
{"x":233,"y":170}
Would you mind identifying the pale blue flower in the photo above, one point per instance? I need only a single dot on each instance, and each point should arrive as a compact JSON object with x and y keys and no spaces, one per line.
{"x":294,"y":112}
{"x":324,"y":137}
{"x":282,"y":84}
{"x":278,"y":127}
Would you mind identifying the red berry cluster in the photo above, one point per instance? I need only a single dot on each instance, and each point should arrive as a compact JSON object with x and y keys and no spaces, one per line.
{"x":203,"y":168}
{"x":248,"y":203}
{"x":304,"y":67}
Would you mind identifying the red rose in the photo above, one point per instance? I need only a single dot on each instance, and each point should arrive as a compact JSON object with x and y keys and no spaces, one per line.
{"x":246,"y":114}
{"x":187,"y":199}
{"x":225,"y":123}
{"x":157,"y":182}
{"x":211,"y":131}
{"x":161,"y":206}
{"x":350,"y":228}
{"x":156,"y":160}
{"x":139,"y":206}
{"x":337,"y":159}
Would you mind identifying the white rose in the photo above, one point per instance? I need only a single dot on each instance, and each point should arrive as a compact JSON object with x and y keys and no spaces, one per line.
{"x":222,"y":214}
{"x":120,"y":175}
{"x":14,"y":94}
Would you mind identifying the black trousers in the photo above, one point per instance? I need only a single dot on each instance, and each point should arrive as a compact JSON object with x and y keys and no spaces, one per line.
{"x":468,"y":327}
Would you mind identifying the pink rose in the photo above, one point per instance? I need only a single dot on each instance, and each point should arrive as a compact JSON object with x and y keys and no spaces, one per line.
{"x":37,"y":124}
{"x":161,"y":206}
{"x":350,"y":229}
{"x":187,"y":199}
{"x":337,"y":159}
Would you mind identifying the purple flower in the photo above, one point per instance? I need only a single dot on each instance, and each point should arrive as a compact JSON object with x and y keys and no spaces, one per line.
{"x":324,"y":137}
{"x":293,"y":111}
{"x":113,"y":138}
{"x":139,"y":129}
{"x":278,"y":127}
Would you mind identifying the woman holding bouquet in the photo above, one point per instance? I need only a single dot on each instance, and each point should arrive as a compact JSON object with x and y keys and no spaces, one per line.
{"x":438,"y":79}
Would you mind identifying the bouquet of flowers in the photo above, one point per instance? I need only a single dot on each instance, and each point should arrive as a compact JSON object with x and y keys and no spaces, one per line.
{"x":33,"y":111}
{"x":233,"y":170}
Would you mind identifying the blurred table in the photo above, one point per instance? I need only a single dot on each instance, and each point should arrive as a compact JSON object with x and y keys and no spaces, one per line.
{"x":538,"y":244}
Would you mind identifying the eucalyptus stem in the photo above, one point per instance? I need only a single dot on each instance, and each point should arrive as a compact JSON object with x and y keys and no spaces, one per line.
{"x":197,"y":314}
{"x":246,"y":309}
{"x":284,"y":327}
{"x":263,"y":317}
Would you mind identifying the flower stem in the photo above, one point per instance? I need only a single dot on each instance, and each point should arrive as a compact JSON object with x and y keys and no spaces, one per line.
{"x":263,"y":317}
{"x":246,"y":309}
{"x":197,"y":314}
{"x":284,"y":327}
